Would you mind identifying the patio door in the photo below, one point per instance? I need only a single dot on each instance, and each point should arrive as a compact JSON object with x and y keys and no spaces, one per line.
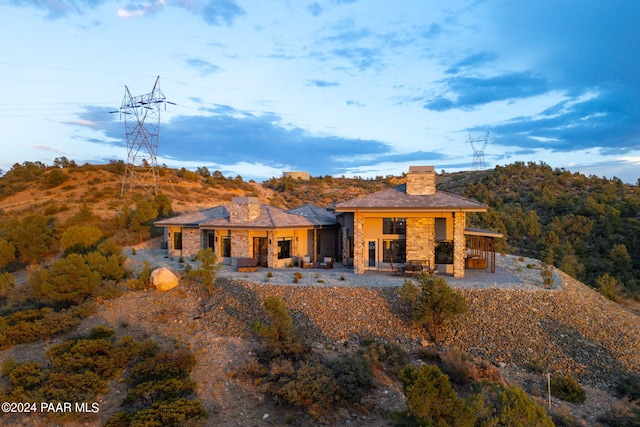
{"x":371,"y":254}
{"x":260,"y":251}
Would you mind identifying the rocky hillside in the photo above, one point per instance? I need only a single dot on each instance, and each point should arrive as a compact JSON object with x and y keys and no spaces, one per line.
{"x":570,"y":330}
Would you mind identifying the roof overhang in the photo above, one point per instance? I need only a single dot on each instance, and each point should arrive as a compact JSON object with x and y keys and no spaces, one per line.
{"x":482,"y":233}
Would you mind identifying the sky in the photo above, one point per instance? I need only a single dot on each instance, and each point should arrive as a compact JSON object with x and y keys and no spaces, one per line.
{"x":331,"y":87}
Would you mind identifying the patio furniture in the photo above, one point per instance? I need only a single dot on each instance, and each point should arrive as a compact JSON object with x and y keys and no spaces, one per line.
{"x":326,"y":263}
{"x":306,"y":262}
{"x":247,"y":265}
{"x":412,"y":267}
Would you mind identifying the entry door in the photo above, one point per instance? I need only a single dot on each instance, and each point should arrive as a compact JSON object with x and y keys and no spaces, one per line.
{"x":371,"y":253}
{"x":261,"y":251}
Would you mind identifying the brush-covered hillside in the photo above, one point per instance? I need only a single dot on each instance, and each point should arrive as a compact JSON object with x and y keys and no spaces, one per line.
{"x":80,"y":323}
{"x":587,"y":226}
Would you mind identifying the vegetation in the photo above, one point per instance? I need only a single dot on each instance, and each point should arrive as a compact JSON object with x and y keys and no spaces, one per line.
{"x":288,"y":371}
{"x":432,"y":401}
{"x":433,"y":302}
{"x":591,"y":224}
{"x":205,"y":274}
{"x":566,"y":387}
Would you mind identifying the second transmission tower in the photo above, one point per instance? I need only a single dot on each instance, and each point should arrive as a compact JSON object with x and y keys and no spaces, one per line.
{"x":478,"y":145}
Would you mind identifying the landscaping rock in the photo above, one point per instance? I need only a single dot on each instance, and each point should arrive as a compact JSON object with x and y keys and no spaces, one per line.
{"x":163,"y":279}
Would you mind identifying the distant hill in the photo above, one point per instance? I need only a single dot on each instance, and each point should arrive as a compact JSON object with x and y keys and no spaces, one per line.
{"x":587,"y":226}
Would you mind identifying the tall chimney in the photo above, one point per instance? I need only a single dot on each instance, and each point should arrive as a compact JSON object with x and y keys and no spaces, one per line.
{"x":421,"y":181}
{"x":244,"y":209}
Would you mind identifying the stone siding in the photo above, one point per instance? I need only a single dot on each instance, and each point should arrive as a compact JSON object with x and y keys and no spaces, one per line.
{"x":421,"y":181}
{"x":459,"y":243}
{"x":421,"y":239}
{"x":244,"y":209}
{"x":240,"y":244}
{"x":191,"y":243}
{"x":358,"y":247}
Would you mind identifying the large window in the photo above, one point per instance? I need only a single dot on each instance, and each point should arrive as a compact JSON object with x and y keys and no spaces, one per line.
{"x":284,"y":247}
{"x":226,"y":246}
{"x":211,"y":239}
{"x":444,"y":252}
{"x":394,"y":226}
{"x":394,"y":250}
{"x":177,"y":240}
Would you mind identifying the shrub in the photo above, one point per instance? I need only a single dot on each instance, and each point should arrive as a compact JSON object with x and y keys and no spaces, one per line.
{"x":280,"y":336}
{"x":431,"y":399}
{"x":566,"y":387}
{"x":206,"y":274}
{"x":353,"y":376}
{"x":390,"y":355}
{"x":495,"y":405}
{"x":433,"y":302}
{"x":629,"y":387}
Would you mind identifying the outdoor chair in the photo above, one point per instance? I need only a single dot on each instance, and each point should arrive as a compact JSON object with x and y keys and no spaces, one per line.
{"x":326,"y":263}
{"x":306,"y":262}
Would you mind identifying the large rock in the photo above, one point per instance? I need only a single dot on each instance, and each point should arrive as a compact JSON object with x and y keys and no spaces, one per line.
{"x":164,"y":279}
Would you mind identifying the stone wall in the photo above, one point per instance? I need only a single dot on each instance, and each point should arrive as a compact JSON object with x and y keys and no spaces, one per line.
{"x":459,"y":243}
{"x":421,"y":239}
{"x":240,"y":244}
{"x":191,"y":243}
{"x":244,"y":209}
{"x":421,"y":181}
{"x":358,"y":247}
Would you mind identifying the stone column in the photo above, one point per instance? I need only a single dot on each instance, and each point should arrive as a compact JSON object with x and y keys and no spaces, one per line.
{"x":459,"y":243}
{"x":421,"y":239}
{"x":358,"y":243}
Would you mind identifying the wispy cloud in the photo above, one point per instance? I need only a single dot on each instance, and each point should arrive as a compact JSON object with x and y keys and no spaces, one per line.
{"x":204,"y":67}
{"x":323,"y":83}
{"x":141,"y":9}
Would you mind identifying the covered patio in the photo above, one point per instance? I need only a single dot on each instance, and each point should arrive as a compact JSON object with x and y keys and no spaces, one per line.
{"x":481,"y":248}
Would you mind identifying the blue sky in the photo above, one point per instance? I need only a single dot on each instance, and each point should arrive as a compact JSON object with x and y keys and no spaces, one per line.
{"x":332,"y":87}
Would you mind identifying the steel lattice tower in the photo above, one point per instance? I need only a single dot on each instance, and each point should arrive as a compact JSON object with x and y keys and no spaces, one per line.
{"x":142,"y":127}
{"x":478,"y":145}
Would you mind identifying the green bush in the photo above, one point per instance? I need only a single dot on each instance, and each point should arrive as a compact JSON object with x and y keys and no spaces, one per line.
{"x":431,"y":400}
{"x":495,"y":405}
{"x":629,"y":387}
{"x":353,"y":376}
{"x":433,"y":302}
{"x":280,"y":335}
{"x":390,"y":355}
{"x":566,"y":387}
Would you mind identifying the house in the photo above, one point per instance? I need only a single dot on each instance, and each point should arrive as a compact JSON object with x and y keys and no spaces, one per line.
{"x":379,"y":231}
{"x":247,"y":229}
{"x":412,"y":221}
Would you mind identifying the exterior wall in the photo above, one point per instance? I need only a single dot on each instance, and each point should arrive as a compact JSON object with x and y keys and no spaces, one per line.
{"x":421,"y":239}
{"x":240,"y":244}
{"x":191,"y":242}
{"x":459,"y":243}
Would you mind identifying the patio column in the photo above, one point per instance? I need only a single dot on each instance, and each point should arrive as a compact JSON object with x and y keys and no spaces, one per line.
{"x":358,"y":243}
{"x":459,"y":243}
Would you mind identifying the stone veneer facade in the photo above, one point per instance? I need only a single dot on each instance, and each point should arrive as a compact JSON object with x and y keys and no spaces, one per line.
{"x":421,"y":239}
{"x":421,"y":181}
{"x":459,"y":243}
{"x":244,"y":209}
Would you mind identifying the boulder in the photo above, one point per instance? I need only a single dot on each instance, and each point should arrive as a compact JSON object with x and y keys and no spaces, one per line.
{"x":164,"y":279}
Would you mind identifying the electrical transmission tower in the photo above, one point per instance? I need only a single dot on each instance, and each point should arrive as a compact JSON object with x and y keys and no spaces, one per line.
{"x":478,"y":145}
{"x":142,"y":127}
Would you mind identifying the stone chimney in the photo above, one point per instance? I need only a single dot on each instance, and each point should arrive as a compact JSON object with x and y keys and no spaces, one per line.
{"x":244,"y":209}
{"x":421,"y":181}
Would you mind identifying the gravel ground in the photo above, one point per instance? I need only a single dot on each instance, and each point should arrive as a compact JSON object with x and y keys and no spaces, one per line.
{"x":511,"y":273}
